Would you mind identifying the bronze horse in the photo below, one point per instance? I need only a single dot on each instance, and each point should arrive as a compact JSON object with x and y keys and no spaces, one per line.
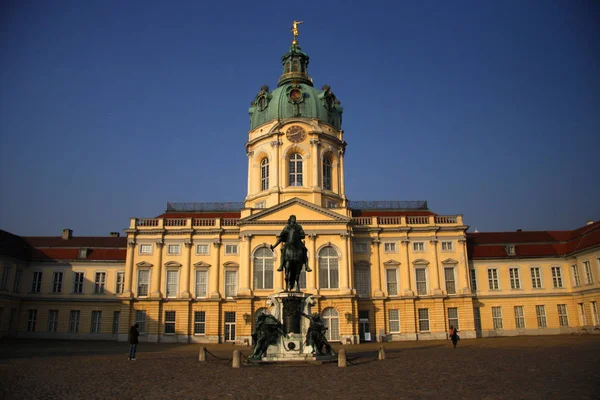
{"x":293,"y":253}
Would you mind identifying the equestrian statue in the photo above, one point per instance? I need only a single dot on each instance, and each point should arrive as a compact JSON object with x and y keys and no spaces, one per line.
{"x":294,"y":254}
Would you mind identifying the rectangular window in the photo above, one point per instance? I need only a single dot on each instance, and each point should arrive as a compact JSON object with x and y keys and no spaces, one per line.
{"x":536,"y":278}
{"x":169,"y":322}
{"x":201,"y":283}
{"x":453,"y":317}
{"x":419,"y":246}
{"x":394,"y":317}
{"x":145,"y":249}
{"x":473,"y":279}
{"x":199,"y":322}
{"x":446,"y":246}
{"x":202,"y":249}
{"x":421,"y":280}
{"x":57,"y":281}
{"x":363,"y":287}
{"x":450,"y":280}
{"x":392,"y":281}
{"x":172,"y":283}
{"x":99,"y":282}
{"x":595,"y":313}
{"x":36,"y":282}
{"x":477,"y":318}
{"x":140,"y":319}
{"x":31,"y":317}
{"x":173,"y":249}
{"x":589,"y":278}
{"x":17,"y":284}
{"x":575,"y":271}
{"x":230,"y":283}
{"x":497,"y":317}
{"x":120,"y":283}
{"x":389,"y":247}
{"x":563,"y":320}
{"x":78,"y":282}
{"x":493,"y":279}
{"x":231,"y":249}
{"x":5,"y":277}
{"x":515,"y":278}
{"x":361,"y":247}
{"x":143,"y":282}
{"x":582,"y":314}
{"x":96,"y":320}
{"x":423,"y":319}
{"x":519,"y":317}
{"x":116,"y":322}
{"x":540,"y":311}
{"x":74,"y":321}
{"x":510,"y":250}
{"x":557,"y":277}
{"x":52,"y":320}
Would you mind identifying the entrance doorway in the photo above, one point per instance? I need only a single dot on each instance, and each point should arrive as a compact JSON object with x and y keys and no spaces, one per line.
{"x":364,"y":328}
{"x":230,"y":326}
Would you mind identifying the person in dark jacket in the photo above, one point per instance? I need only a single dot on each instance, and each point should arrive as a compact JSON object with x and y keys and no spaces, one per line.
{"x":133,"y":341}
{"x":454,"y":335}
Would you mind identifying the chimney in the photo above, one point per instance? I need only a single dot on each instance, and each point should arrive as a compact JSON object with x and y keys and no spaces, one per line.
{"x":589,"y":222}
{"x":115,"y":234}
{"x":67,"y":234}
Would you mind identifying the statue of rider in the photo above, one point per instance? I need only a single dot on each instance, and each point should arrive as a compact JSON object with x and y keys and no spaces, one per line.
{"x":291,"y":224}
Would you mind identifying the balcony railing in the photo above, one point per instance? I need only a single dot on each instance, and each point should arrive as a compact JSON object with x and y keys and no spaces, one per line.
{"x":445,"y":219}
{"x":410,"y":220}
{"x":417,"y":220}
{"x":174,"y":223}
{"x":147,"y":222}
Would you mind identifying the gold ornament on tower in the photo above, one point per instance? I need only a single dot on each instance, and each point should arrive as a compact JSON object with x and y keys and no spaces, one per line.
{"x":294,"y":30}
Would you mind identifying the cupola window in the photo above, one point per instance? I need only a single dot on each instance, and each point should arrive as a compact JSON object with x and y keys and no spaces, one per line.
{"x":295,"y":178}
{"x":264,"y":174}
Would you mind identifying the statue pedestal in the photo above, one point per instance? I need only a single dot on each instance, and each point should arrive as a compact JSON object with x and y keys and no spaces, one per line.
{"x":286,"y":308}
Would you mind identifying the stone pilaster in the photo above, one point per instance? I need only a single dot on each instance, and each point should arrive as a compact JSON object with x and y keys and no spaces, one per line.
{"x":157,"y":271}
{"x":215,"y":271}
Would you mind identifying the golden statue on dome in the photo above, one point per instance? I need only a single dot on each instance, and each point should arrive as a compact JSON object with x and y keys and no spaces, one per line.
{"x":294,"y":31}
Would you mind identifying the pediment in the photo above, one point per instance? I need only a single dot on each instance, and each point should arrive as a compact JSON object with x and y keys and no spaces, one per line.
{"x":305,"y":212}
{"x":391,"y":263}
{"x":231,"y":264}
{"x":449,"y":261}
{"x":172,"y":264}
{"x":201,"y":264}
{"x":144,"y":264}
{"x":421,"y":261}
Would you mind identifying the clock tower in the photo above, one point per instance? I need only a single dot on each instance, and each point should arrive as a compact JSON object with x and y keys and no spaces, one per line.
{"x":295,"y":144}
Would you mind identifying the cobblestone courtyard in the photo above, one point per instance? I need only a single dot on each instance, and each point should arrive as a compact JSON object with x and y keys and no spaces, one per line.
{"x":560,"y":367}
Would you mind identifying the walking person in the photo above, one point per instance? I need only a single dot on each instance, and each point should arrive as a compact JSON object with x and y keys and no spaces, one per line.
{"x":454,"y":335}
{"x":133,"y":341}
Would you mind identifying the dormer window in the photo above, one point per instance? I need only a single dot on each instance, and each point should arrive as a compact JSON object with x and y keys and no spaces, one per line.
{"x":83,"y":253}
{"x":510,"y":249}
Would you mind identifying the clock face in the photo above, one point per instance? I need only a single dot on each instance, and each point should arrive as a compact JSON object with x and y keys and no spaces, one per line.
{"x":295,"y":134}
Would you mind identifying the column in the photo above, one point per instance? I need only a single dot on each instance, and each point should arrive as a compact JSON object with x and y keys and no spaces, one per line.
{"x":345,"y":269}
{"x":215,"y":271}
{"x":157,"y":271}
{"x":349,"y":250}
{"x":315,"y":154}
{"x":466,"y":287}
{"x":342,"y":186}
{"x":311,"y":277}
{"x":405,"y":279}
{"x":275,"y":144}
{"x":376,"y":268}
{"x":250,"y":177}
{"x":185,"y":272}
{"x":244,"y":277}
{"x":129,"y":268}
{"x":436,"y":268}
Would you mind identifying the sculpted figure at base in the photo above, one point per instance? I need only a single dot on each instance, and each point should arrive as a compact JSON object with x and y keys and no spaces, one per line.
{"x":267,"y":331}
{"x":315,"y":336}
{"x":294,"y":254}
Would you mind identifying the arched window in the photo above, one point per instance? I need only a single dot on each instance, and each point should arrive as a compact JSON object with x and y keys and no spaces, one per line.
{"x":328,"y":268}
{"x":331,"y":320}
{"x":295,"y":170}
{"x":263,"y":268}
{"x":264,"y":174}
{"x":327,"y":173}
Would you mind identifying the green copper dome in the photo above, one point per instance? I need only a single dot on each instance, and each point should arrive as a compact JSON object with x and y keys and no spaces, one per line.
{"x":295,"y":96}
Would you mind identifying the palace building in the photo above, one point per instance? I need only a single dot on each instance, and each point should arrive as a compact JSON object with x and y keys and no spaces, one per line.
{"x":382,"y":270}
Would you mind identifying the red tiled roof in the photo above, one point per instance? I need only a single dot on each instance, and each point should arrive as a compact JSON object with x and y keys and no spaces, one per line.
{"x":534,"y":243}
{"x":13,"y":246}
{"x":45,"y":254}
{"x":76,"y":241}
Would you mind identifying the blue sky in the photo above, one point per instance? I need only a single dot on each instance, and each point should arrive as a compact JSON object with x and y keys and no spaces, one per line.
{"x":109,"y":109}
